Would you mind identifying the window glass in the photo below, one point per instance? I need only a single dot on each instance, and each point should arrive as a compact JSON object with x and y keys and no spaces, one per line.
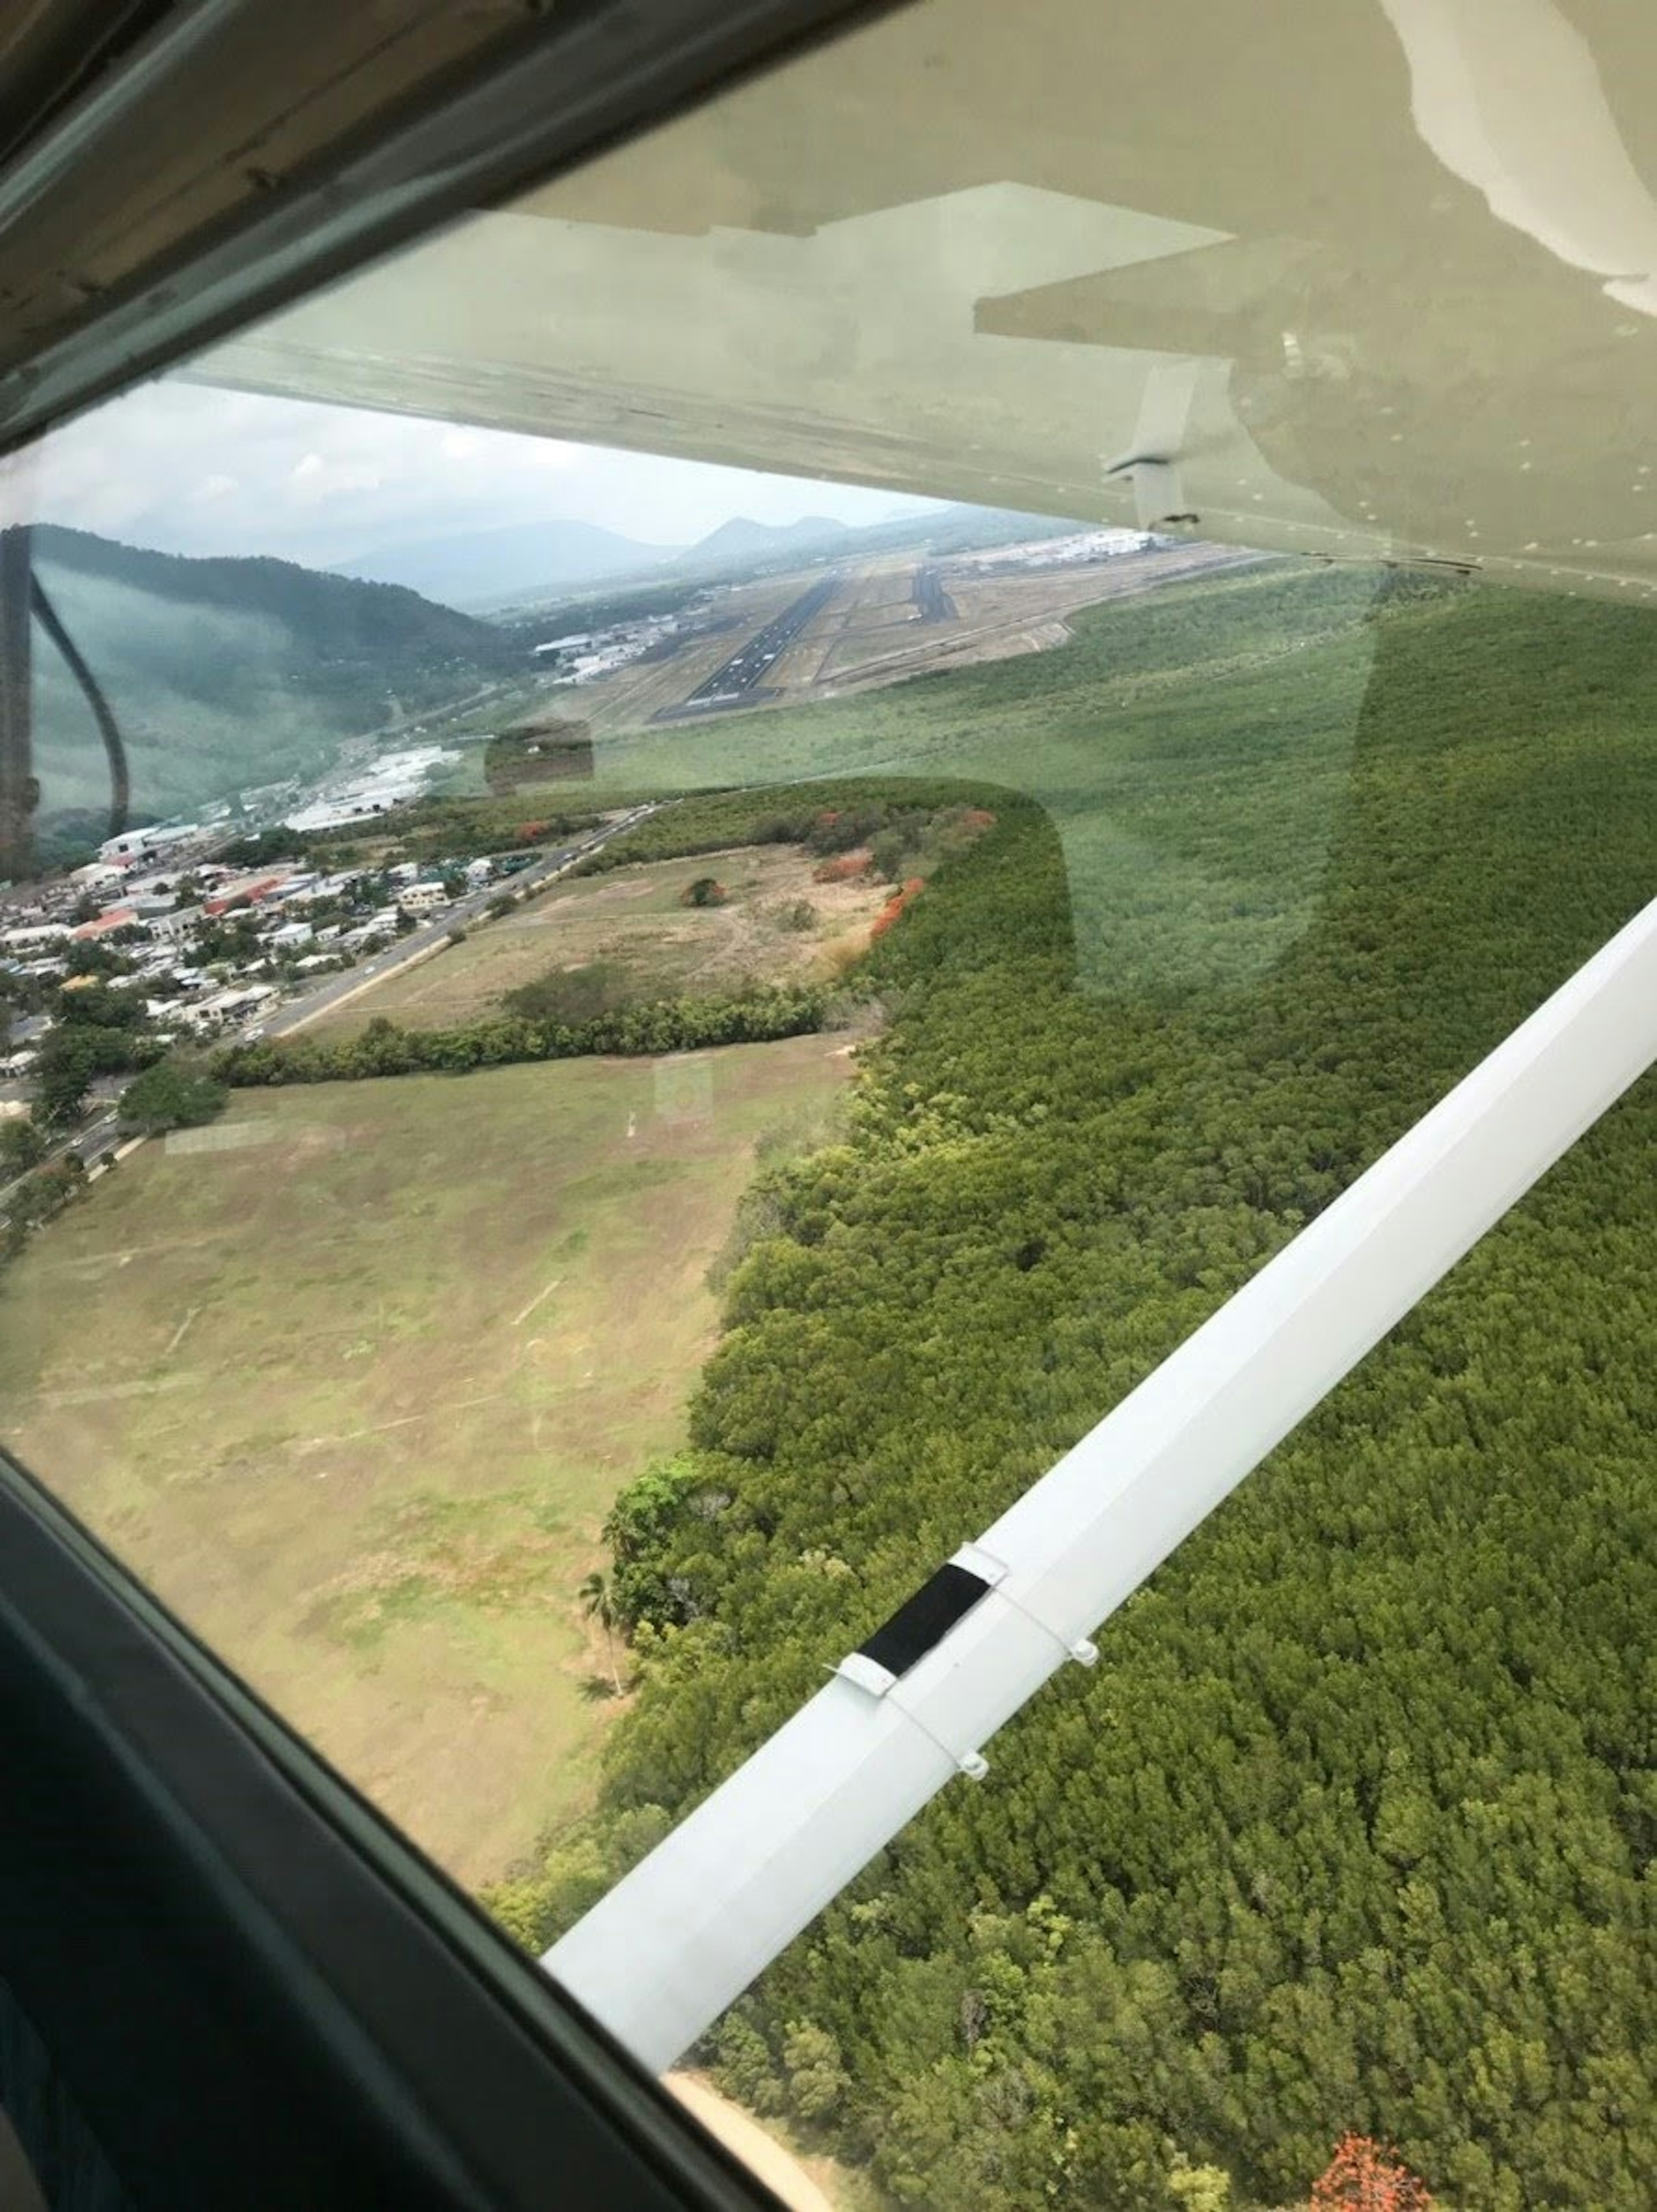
{"x":607,"y":1056}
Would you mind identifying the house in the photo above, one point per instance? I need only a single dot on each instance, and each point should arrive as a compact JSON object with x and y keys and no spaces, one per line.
{"x":178,"y":923}
{"x":225,"y":1007}
{"x":252,"y":890}
{"x":422,"y":898}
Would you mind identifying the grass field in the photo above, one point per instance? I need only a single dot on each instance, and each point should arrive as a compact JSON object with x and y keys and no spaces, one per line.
{"x":632,"y":918}
{"x":352,"y":1377}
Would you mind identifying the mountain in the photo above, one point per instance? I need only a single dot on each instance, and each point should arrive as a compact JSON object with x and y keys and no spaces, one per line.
{"x":743,"y":539}
{"x":223,"y":673}
{"x":481,"y":568}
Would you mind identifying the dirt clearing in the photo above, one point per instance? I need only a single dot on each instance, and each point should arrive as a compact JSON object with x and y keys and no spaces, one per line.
{"x":634,"y":918}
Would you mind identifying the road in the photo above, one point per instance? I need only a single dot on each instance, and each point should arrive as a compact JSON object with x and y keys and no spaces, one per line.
{"x":89,"y":1143}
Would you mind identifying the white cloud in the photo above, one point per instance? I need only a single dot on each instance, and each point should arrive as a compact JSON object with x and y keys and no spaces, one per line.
{"x":197,"y":470}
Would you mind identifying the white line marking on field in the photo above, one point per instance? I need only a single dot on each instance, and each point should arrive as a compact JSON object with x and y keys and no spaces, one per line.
{"x":519,"y":1319}
{"x":94,"y":1396}
{"x":405,"y":1421}
{"x":177,"y":1335}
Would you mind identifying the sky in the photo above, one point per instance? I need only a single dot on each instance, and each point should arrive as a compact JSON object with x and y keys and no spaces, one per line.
{"x":192,"y":470}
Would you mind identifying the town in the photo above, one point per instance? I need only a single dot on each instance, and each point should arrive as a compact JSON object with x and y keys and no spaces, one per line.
{"x":193,"y":933}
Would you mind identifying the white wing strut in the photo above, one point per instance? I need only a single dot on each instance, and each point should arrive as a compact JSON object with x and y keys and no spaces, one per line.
{"x":660,"y":1957}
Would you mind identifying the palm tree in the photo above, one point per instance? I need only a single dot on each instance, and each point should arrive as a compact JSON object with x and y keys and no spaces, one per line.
{"x":599,"y":1603}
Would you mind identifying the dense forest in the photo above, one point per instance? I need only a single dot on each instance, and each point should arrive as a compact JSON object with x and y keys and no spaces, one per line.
{"x":224,"y":673}
{"x":1350,"y":1829}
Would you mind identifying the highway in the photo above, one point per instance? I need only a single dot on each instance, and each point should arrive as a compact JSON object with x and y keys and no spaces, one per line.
{"x":739,"y":677}
{"x":87,"y":1144}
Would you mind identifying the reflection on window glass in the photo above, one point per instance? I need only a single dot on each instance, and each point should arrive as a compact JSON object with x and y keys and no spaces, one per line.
{"x":603,"y":1059}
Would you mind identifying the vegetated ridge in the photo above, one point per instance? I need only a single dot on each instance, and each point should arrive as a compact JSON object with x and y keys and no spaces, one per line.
{"x":525,"y":560}
{"x":227,"y":672}
{"x":476,"y":567}
{"x":742,"y":539}
{"x":1347,"y":1830}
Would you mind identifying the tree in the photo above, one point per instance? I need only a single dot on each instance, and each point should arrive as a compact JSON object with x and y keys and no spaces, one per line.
{"x":68,"y":1060}
{"x":888,"y":852}
{"x":747,"y":2071}
{"x":1364,"y":2177}
{"x":172,"y":1095}
{"x":1199,"y":2188}
{"x":39,"y":1197}
{"x":96,"y":1006}
{"x":599,"y":1603}
{"x":818,"y":2081}
{"x":266,"y":845}
{"x":22,"y":1144}
{"x":92,"y":956}
{"x":706,"y":891}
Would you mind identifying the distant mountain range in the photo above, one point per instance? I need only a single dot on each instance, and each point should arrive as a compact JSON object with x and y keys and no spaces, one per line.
{"x":528,"y":560}
{"x":481,"y":568}
{"x":740,"y":539}
{"x":224,"y":673}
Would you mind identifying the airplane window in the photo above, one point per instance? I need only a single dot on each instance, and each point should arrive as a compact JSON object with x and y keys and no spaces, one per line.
{"x":692,"y":871}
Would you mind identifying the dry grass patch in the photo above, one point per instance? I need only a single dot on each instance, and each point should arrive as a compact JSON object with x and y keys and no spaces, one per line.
{"x":433,"y":1325}
{"x":633,"y":918}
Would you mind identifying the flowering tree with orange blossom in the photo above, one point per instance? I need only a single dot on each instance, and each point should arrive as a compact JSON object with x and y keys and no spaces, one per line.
{"x":895,"y":906}
{"x":1365,"y":2176}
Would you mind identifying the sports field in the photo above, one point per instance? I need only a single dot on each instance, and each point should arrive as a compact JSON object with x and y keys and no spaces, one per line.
{"x":352,"y":1376}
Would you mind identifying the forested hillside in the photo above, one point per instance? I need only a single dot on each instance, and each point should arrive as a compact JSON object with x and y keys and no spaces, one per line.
{"x":1351,"y":1826}
{"x":230,"y":672}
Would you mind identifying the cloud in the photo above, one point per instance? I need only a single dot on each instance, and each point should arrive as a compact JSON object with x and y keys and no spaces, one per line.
{"x":194,"y":469}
